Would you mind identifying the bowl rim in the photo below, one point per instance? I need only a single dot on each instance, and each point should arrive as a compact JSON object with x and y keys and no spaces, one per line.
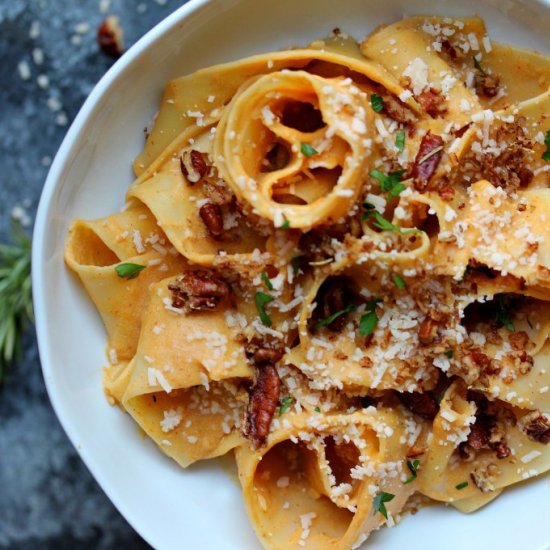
{"x":66,"y":150}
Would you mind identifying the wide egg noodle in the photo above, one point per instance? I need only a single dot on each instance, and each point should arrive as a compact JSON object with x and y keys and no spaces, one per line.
{"x":443,"y":476}
{"x":95,"y":248}
{"x":201,"y":364}
{"x":301,"y":149}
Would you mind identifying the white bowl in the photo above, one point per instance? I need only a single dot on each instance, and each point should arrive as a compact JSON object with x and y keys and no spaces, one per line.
{"x":201,"y":508}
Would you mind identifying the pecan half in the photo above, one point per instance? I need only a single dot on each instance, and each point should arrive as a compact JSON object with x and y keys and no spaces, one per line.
{"x":110,"y":36}
{"x":262,"y":403}
{"x":212,"y":217}
{"x":427,"y":160}
{"x":260,"y":352}
{"x":193,"y":166}
{"x":422,"y":404}
{"x":536,"y":426}
{"x":198,"y":291}
{"x":427,"y":331}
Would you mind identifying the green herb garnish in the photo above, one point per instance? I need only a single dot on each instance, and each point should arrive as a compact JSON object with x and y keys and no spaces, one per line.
{"x":261,"y":300}
{"x":400,"y":140}
{"x":449,"y":353}
{"x":15,"y":297}
{"x":502,"y":312}
{"x":398,"y":281}
{"x":129,"y":270}
{"x":285,"y":404}
{"x":413,"y":468}
{"x":529,"y":323}
{"x":382,"y":223}
{"x":295,"y":263}
{"x":266,"y":280}
{"x":331,"y":318}
{"x":369,"y":320}
{"x":377,"y":103}
{"x":462,"y":485}
{"x":307,"y":150}
{"x":317,"y":409}
{"x":390,"y":183}
{"x":546,"y":154}
{"x":379,"y":503}
{"x":478,"y":66}
{"x":285,"y":224}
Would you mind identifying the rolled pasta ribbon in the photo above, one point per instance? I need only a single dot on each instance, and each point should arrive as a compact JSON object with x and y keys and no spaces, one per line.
{"x":326,"y":127}
{"x":313,"y":484}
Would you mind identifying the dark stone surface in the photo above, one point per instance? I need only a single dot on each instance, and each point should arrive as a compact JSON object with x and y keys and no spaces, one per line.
{"x":48,"y":499}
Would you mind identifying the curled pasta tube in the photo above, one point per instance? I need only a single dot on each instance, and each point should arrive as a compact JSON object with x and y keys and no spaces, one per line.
{"x":293,"y":502}
{"x":95,"y":248}
{"x":328,"y":143}
{"x":446,"y":477}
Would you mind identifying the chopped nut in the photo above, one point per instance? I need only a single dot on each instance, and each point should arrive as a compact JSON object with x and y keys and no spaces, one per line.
{"x":487,"y":84}
{"x":212,"y":217}
{"x":110,"y":37}
{"x":432,"y":102}
{"x":427,"y":331}
{"x":536,"y":426}
{"x":397,"y":110}
{"x":519,"y":340}
{"x":193,"y":166}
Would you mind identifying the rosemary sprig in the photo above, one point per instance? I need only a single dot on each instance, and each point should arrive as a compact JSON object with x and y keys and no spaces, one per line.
{"x":15,"y":296}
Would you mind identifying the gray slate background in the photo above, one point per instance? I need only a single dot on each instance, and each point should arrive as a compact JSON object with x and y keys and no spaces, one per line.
{"x":49,"y":62}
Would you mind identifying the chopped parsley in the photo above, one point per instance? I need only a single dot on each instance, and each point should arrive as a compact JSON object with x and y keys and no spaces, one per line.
{"x":266,"y":280}
{"x":462,"y":485}
{"x":369,"y":320}
{"x":261,"y":301}
{"x":398,"y":281}
{"x":285,"y":404}
{"x":307,"y":150}
{"x":413,"y":468}
{"x":390,"y":183}
{"x":529,"y":323}
{"x":285,"y":224}
{"x":317,"y":409}
{"x":546,"y":154}
{"x":400,"y":140}
{"x":379,"y":501}
{"x":502,"y":312}
{"x":377,"y":103}
{"x":295,"y":263}
{"x":331,"y":318}
{"x":382,"y":223}
{"x":129,"y":270}
{"x":478,"y":66}
{"x":449,"y":353}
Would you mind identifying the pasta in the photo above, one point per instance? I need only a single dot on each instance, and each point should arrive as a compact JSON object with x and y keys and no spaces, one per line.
{"x":334,"y":264}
